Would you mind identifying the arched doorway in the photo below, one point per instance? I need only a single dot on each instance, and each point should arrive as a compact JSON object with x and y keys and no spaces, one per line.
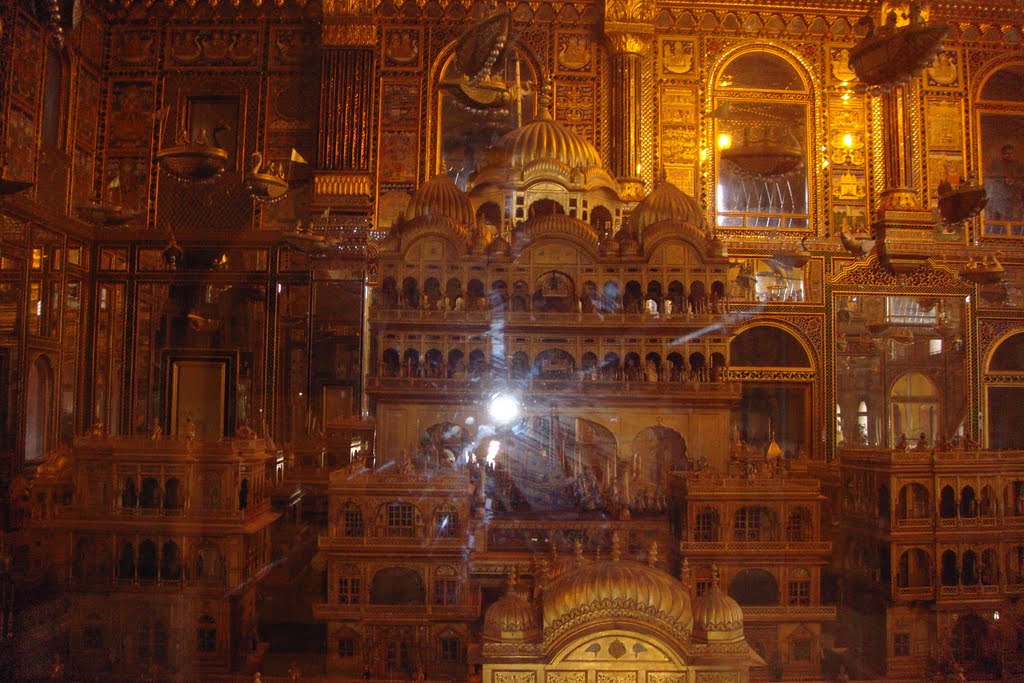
{"x":38,"y":409}
{"x":914,"y":402}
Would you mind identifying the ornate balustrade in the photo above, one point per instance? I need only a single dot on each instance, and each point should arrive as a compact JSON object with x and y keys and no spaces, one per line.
{"x":896,"y":457}
{"x":789,"y":613}
{"x":324,"y":610}
{"x":914,"y":592}
{"x":338,"y":541}
{"x":483,"y":317}
{"x":816,"y":547}
{"x":724,"y":390}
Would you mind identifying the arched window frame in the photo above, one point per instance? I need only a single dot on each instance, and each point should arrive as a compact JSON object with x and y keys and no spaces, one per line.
{"x":811,"y":95}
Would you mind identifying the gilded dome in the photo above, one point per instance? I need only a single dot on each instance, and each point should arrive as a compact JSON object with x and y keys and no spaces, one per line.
{"x":546,"y":139}
{"x":615,"y":588}
{"x":511,"y":617}
{"x":440,"y":198}
{"x":716,"y":616}
{"x":667,"y":203}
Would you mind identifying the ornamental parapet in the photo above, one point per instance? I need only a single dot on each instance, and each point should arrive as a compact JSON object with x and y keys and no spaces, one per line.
{"x":715,"y":483}
{"x":396,"y":613}
{"x":162,"y":448}
{"x":713,"y":547}
{"x":550,"y":318}
{"x":340,"y":542}
{"x":445,"y":388}
{"x":790,"y":613}
{"x":917,"y":457}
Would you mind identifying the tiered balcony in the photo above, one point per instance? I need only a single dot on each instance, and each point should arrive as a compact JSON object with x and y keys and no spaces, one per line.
{"x":547,"y":319}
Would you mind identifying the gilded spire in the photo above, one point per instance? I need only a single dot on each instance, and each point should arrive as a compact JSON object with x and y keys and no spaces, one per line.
{"x":616,"y":547}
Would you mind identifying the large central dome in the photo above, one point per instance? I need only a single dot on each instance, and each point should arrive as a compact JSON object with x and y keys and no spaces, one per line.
{"x":616,"y":588}
{"x":546,"y":139}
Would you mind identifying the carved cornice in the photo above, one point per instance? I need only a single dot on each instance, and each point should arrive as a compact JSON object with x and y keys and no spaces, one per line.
{"x":870,"y":273}
{"x":351,"y":33}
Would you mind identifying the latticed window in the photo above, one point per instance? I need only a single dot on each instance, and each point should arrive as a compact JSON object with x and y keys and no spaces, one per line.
{"x":446,"y":522}
{"x":800,"y":592}
{"x":445,"y":592}
{"x":346,"y":647}
{"x":206,"y":635}
{"x":748,"y":524}
{"x":400,"y":520}
{"x":348,"y":590}
{"x":798,"y":526}
{"x":802,"y":650}
{"x":702,"y":586}
{"x":705,"y":528}
{"x":352,"y":520}
{"x":451,"y":649}
{"x":901,"y":645}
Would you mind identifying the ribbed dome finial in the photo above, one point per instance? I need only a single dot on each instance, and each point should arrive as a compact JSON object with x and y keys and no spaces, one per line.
{"x":579,"y":550}
{"x":545,"y":99}
{"x":616,"y":547}
{"x":652,"y":554}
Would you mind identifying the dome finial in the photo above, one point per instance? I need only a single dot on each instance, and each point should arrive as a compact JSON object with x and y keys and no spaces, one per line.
{"x":545,"y":99}
{"x":616,"y":547}
{"x":662,"y":175}
{"x":512,"y":581}
{"x":715,"y":575}
{"x":578,"y":547}
{"x":684,"y":574}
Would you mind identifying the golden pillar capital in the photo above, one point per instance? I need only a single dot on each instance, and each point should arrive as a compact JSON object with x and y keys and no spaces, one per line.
{"x":629,"y":39}
{"x":349,"y":23}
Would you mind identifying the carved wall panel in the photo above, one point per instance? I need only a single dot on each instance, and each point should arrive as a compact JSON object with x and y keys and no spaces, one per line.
{"x":135,"y":49}
{"x":399,"y":130}
{"x":402,"y":49}
{"x":132,"y":115}
{"x":679,"y":136}
{"x":574,"y":52}
{"x":221,"y":47}
{"x":292,"y":48}
{"x":575,"y":108}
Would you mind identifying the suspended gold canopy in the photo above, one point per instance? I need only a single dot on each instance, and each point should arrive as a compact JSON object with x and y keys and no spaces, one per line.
{"x":889,"y":56}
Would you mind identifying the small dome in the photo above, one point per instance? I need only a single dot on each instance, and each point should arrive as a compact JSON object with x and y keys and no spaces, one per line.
{"x":616,"y":588}
{"x":555,"y":224}
{"x":546,"y":139}
{"x":511,"y":617}
{"x":439,"y":197}
{"x":716,"y":616}
{"x":667,"y":203}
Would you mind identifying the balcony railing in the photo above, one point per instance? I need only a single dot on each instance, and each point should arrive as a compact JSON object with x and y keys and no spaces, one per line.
{"x":616,"y":386}
{"x":895,"y":456}
{"x":790,"y":613}
{"x":324,"y":610}
{"x":817,"y":547}
{"x":338,"y":541}
{"x":484,"y":317}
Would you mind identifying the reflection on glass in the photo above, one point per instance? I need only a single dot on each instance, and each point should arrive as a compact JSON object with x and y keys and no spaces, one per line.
{"x":901,"y":357}
{"x":762,"y":170}
{"x":766,"y":280}
{"x":1002,"y":152}
{"x":469,"y":129}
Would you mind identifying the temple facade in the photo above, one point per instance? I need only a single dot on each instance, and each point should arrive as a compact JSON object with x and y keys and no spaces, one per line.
{"x":522,"y":342}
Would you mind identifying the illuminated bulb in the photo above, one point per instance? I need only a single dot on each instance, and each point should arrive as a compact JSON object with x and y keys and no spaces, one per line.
{"x":724,"y":141}
{"x":995,"y":615}
{"x":848,"y":140}
{"x":846,"y":97}
{"x":703,"y":155}
{"x":639,"y":167}
{"x":503,"y":408}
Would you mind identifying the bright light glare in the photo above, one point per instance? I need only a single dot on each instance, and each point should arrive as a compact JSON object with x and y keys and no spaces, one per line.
{"x":503,"y":408}
{"x":724,"y":141}
{"x":492,"y":451}
{"x":848,"y":140}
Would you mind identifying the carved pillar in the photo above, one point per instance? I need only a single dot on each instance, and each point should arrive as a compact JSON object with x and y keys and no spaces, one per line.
{"x":629,"y":32}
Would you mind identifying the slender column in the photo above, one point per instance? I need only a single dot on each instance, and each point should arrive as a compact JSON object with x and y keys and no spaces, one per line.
{"x":346,"y":108}
{"x":626,"y":131}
